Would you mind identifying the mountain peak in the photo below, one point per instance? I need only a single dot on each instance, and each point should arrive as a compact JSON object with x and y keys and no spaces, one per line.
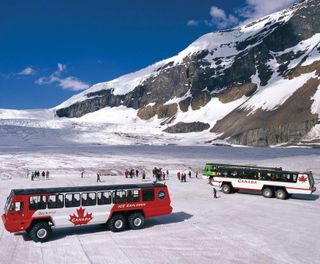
{"x":251,"y":77}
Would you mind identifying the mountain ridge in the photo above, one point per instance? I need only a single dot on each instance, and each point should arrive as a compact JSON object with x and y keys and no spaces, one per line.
{"x":256,"y":84}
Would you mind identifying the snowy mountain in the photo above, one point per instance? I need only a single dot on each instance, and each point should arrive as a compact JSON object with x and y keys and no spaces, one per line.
{"x":256,"y":84}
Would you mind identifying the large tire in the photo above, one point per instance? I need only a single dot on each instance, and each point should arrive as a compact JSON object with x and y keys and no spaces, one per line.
{"x":136,"y":221}
{"x":268,"y":192}
{"x":40,"y":232}
{"x":226,"y":188}
{"x":117,"y":223}
{"x":281,"y":194}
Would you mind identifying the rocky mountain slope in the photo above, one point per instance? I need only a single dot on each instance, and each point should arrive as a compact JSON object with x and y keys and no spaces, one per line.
{"x":257,"y":84}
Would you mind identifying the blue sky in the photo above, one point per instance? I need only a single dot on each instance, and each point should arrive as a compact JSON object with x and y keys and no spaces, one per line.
{"x":50,"y":50}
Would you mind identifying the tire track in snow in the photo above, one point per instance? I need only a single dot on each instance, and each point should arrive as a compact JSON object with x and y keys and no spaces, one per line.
{"x":83,"y":250}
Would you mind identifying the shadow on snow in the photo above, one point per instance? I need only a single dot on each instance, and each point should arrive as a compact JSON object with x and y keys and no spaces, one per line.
{"x":60,"y":233}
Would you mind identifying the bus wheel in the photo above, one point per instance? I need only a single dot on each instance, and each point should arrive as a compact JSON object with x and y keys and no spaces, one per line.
{"x":226,"y":188}
{"x":40,"y":232}
{"x":117,"y":223}
{"x":281,"y":194}
{"x":136,"y":221}
{"x":267,"y":192}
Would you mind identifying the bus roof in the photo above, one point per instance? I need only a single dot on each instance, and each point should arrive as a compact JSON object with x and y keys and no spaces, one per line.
{"x":245,"y":166}
{"x":85,"y":188}
{"x":279,"y":169}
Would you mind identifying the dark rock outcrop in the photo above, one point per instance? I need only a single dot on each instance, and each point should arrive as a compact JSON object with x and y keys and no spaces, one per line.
{"x":165,"y":111}
{"x":237,"y":92}
{"x":187,"y":127}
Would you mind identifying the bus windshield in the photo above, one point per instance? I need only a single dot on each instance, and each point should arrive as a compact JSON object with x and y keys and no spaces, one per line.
{"x":8,"y":202}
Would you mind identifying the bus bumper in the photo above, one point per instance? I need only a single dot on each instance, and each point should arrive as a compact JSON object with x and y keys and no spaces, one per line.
{"x":10,"y":227}
{"x":5,"y":223}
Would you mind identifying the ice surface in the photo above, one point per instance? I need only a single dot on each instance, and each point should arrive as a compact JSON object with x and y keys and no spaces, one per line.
{"x":237,"y":228}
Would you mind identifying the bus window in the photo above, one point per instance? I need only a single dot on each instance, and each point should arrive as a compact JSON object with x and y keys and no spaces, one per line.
{"x":37,"y":202}
{"x":55,"y":201}
{"x":119,"y":196}
{"x":234,"y":174}
{"x":88,"y":199}
{"x":104,"y":198}
{"x":148,"y":195}
{"x":294,"y":177}
{"x":17,"y":206}
{"x":133,"y":196}
{"x":72,"y":200}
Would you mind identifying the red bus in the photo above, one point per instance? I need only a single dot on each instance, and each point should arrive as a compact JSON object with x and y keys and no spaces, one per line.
{"x":37,"y":211}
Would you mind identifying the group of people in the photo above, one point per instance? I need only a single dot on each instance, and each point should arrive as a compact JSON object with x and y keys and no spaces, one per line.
{"x":159,"y":174}
{"x":182,"y":176}
{"x":36,"y":175}
{"x":134,"y":173}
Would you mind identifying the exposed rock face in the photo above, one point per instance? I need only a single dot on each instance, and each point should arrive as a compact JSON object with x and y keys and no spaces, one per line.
{"x":289,"y":123}
{"x":147,"y":112}
{"x":290,"y":133}
{"x":166,"y":111}
{"x":200,"y":99}
{"x":184,"y":104}
{"x":278,"y":48}
{"x":187,"y":127}
{"x":237,"y":92}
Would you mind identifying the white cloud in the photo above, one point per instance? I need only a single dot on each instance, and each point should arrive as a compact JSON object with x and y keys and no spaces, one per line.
{"x":217,"y":12}
{"x":61,"y":67}
{"x":27,"y":71}
{"x":68,"y":83}
{"x":258,"y":8}
{"x":192,"y":23}
{"x":253,"y":10}
{"x":220,"y":19}
{"x":72,"y":83}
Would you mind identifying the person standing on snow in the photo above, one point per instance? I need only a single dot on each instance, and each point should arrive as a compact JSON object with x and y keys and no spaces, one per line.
{"x":98,"y":177}
{"x":143,"y":175}
{"x":189,"y":174}
{"x":214,"y":193}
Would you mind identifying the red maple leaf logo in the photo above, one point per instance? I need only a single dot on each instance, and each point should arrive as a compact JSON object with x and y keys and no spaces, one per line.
{"x":81,"y":219}
{"x":302,"y":179}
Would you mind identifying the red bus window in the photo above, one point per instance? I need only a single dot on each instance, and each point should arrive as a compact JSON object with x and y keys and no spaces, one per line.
{"x":37,"y":202}
{"x":72,"y":200}
{"x":133,"y":196}
{"x":119,"y":196}
{"x":17,"y":206}
{"x":147,"y":195}
{"x":88,"y":199}
{"x":55,"y":201}
{"x":104,"y":198}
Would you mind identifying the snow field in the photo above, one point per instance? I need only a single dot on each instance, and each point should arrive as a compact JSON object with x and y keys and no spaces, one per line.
{"x":237,"y":228}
